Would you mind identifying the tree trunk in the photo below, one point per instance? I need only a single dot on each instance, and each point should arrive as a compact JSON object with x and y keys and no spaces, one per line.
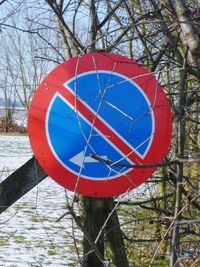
{"x":94,"y":218}
{"x":100,"y":219}
{"x":189,"y":33}
{"x":175,"y":242}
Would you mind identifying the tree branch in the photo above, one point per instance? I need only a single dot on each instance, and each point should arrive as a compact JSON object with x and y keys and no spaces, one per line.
{"x":145,"y":166}
{"x":77,"y":45}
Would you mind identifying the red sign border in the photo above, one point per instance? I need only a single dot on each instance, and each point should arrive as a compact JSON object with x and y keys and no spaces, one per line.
{"x":54,"y":82}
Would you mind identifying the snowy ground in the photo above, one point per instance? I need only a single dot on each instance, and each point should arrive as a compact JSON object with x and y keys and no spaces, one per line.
{"x":29,"y":233}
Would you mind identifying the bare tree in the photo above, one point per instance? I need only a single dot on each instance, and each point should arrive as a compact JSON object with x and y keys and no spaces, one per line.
{"x":24,"y":70}
{"x":9,"y":98}
{"x":165,"y":37}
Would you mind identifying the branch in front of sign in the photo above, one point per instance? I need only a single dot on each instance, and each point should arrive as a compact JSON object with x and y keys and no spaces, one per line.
{"x":144,"y":166}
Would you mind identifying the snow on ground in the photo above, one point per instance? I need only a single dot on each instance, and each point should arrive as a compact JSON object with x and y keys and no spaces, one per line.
{"x":29,"y":233}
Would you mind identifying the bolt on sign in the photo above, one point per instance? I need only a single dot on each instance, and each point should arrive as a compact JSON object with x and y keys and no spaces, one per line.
{"x":95,"y":117}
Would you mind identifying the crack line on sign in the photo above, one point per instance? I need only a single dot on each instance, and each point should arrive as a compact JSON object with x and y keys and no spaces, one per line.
{"x":120,"y":111}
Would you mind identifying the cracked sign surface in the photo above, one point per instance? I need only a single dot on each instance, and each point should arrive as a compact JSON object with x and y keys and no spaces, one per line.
{"x":95,"y":115}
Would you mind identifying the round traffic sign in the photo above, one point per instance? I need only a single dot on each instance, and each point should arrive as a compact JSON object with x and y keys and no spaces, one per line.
{"x":93,"y":118}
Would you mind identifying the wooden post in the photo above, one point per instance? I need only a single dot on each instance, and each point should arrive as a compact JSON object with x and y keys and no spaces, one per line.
{"x":20,"y":182}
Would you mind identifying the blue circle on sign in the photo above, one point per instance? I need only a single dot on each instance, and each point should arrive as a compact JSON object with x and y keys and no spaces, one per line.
{"x":121,"y":106}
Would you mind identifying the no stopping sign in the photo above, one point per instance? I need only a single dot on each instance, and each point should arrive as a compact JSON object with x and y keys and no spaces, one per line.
{"x":94,"y":116}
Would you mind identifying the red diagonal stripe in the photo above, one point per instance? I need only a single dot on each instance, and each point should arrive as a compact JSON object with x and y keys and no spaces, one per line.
{"x":95,"y":120}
